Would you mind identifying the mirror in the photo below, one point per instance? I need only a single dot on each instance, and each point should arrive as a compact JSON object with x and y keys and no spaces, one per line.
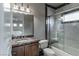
{"x":22,"y":24}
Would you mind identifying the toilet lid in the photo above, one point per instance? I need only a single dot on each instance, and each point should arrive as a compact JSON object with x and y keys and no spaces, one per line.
{"x":42,"y":41}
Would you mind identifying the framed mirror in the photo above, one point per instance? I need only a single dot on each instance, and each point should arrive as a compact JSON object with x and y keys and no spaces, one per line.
{"x":23,"y":25}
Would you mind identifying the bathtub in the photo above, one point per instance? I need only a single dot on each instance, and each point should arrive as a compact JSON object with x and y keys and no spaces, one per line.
{"x":59,"y":52}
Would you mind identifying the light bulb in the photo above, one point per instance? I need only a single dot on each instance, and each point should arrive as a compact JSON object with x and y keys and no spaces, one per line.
{"x":22,"y":8}
{"x":20,"y":25}
{"x":15,"y":25}
{"x":6,"y":5}
{"x":28,"y":10}
{"x":16,"y":7}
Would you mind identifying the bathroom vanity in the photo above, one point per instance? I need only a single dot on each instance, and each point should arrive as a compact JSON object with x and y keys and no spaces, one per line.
{"x":23,"y":25}
{"x":25,"y":47}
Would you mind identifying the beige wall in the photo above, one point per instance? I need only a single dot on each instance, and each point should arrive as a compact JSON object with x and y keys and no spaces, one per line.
{"x":38,"y":10}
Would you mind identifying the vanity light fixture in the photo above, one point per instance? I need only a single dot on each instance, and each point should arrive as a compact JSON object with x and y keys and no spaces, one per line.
{"x":16,"y":7}
{"x":6,"y":5}
{"x":28,"y":9}
{"x":22,"y":8}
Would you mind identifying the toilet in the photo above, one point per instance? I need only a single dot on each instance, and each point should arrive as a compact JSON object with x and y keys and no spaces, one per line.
{"x":43,"y":45}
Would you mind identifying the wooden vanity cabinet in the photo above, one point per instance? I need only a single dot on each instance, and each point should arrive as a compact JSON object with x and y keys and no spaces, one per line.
{"x":26,"y":50}
{"x":18,"y":51}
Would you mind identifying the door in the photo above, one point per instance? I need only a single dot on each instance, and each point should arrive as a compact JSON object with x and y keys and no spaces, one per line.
{"x":32,"y":49}
{"x":35,"y":49}
{"x":28,"y":51}
{"x":50,"y":22}
{"x":18,"y":51}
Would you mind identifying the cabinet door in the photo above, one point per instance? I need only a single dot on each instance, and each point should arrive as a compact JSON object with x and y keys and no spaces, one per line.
{"x":18,"y":51}
{"x":28,"y":51}
{"x":35,"y":49}
{"x":32,"y":49}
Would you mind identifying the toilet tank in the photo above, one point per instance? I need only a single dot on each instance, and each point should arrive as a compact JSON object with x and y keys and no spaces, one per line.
{"x":43,"y":44}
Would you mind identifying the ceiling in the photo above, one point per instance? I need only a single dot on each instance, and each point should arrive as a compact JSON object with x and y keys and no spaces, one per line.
{"x":56,"y":5}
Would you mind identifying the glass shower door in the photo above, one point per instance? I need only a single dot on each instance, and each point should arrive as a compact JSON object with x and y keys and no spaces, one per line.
{"x":55,"y":32}
{"x":71,"y":32}
{"x":51,"y":30}
{"x":71,"y":38}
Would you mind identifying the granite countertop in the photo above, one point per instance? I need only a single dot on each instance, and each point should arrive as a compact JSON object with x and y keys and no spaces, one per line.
{"x":23,"y":41}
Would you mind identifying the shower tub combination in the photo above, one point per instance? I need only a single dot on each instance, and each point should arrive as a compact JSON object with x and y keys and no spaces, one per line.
{"x":63,"y":36}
